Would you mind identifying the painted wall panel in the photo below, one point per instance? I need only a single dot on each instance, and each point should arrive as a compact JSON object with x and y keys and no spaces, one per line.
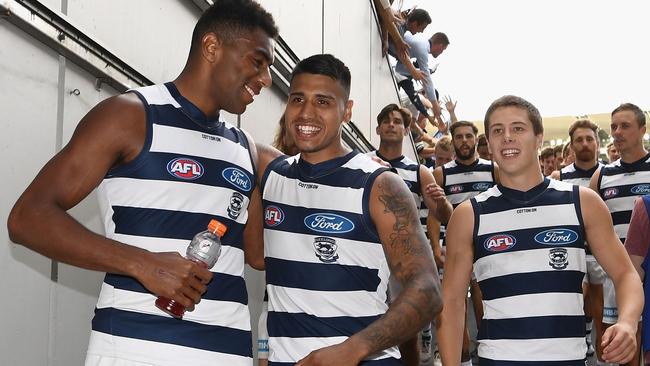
{"x":300,"y":23}
{"x":28,"y":85}
{"x":347,"y":36}
{"x":152,"y":36}
{"x":382,"y":89}
{"x":262,"y":116}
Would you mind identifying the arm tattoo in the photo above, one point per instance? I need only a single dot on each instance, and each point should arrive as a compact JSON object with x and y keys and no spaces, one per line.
{"x":419,"y":300}
{"x":397,"y":203}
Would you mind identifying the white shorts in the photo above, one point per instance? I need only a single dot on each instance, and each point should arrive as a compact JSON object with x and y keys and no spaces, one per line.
{"x":595,"y":274}
{"x":263,"y":333}
{"x":96,"y":360}
{"x":610,"y":310}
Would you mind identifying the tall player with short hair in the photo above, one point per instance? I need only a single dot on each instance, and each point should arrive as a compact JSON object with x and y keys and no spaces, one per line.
{"x":527,"y":251}
{"x":337,"y":225}
{"x":622,"y":181}
{"x":162,"y":161}
{"x":583,"y":136}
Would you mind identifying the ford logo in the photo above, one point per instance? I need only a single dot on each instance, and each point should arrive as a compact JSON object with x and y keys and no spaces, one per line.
{"x":556,"y":237}
{"x":329,"y":223}
{"x":237,"y":178}
{"x":500,"y":242}
{"x":481,"y":186}
{"x":641,"y":189}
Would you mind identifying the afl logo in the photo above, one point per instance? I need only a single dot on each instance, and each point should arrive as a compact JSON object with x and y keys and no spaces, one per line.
{"x":499,"y":243}
{"x":329,"y":223}
{"x":556,"y":237}
{"x":237,"y":178}
{"x":610,"y":192}
{"x":185,"y":168}
{"x":481,"y":186}
{"x":641,"y":189}
{"x":273,"y":216}
{"x":456,"y":189}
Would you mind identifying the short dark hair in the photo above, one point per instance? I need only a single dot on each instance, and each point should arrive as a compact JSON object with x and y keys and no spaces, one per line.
{"x":481,"y":140}
{"x":518,"y":102}
{"x":230,"y":18}
{"x":383,"y":114}
{"x":327,"y":65}
{"x":638,"y":113}
{"x":582,"y":123}
{"x":546,"y":152}
{"x":458,"y":124}
{"x":440,"y":38}
{"x":558,"y":149}
{"x":419,"y":16}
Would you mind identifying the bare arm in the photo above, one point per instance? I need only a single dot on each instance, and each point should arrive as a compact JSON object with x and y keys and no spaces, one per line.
{"x":450,"y":106}
{"x":433,"y":228}
{"x":458,"y":267}
{"x":437,"y":175}
{"x":389,"y":28}
{"x":434,"y":196}
{"x":427,"y":152}
{"x":254,"y":231}
{"x":555,"y":175}
{"x":111,"y":134}
{"x":593,"y":183}
{"x":619,"y":341}
{"x":410,"y":260}
{"x":393,"y":212}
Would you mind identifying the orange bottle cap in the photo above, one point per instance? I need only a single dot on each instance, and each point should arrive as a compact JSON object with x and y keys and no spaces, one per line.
{"x":216,"y":227}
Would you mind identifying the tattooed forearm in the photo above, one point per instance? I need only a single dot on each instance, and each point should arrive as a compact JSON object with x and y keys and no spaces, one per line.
{"x":407,"y":314}
{"x":399,"y":204}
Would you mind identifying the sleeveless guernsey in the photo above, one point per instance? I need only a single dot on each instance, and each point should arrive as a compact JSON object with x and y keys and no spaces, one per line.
{"x":579,"y":177}
{"x":529,"y":260}
{"x":619,"y":185}
{"x":191,"y":169}
{"x":326,"y":271}
{"x":462,"y":182}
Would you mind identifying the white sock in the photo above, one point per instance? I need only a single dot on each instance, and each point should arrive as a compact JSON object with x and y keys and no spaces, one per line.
{"x":466,"y":363}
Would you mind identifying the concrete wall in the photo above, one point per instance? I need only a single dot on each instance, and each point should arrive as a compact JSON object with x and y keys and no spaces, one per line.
{"x":46,"y":308}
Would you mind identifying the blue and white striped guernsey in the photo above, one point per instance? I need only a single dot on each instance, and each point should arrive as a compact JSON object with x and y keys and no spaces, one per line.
{"x":529,"y":260}
{"x":191,"y":169}
{"x":462,"y":182}
{"x":409,"y":171}
{"x":326,"y":271}
{"x":580,"y":177}
{"x":619,"y":185}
